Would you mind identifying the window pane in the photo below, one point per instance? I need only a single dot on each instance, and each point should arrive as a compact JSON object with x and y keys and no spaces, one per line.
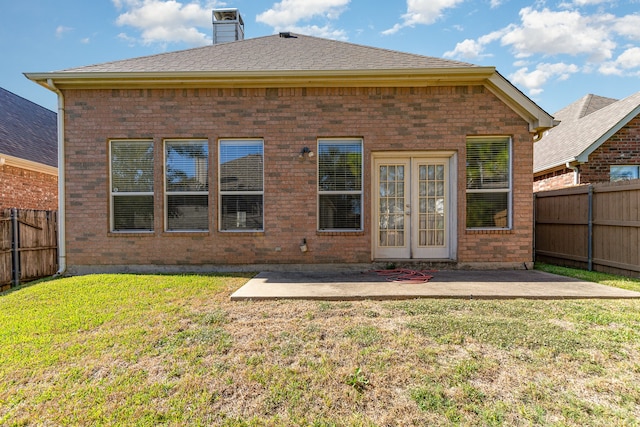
{"x":487,"y":210}
{"x":340,"y":211}
{"x":187,"y":166}
{"x":340,"y":166}
{"x":241,"y":212}
{"x":621,"y":173}
{"x":133,"y":213}
{"x":488,"y":163}
{"x":188,"y":212}
{"x":131,"y":166}
{"x":241,"y":165}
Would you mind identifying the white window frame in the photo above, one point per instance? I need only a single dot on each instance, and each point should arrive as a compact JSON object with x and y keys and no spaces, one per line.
{"x":168,"y":193}
{"x":338,"y":141}
{"x":113,"y":192}
{"x":222,"y":193}
{"x":508,"y":189}
{"x":611,"y":176}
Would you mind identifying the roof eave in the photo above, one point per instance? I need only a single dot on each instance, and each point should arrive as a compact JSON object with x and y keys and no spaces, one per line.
{"x":28,"y":164}
{"x":583,"y":157}
{"x":538,"y":119}
{"x":279,"y":78}
{"x":555,"y":165}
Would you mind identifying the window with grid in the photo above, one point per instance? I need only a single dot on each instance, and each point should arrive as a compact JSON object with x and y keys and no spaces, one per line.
{"x":186,"y":185}
{"x":339,"y":184}
{"x":131,"y":186}
{"x":241,"y":174}
{"x":489,"y":183}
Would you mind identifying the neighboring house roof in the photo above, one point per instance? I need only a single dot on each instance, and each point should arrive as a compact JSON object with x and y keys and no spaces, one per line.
{"x":585,"y":128}
{"x":28,"y":132}
{"x":292,"y":60}
{"x":583,"y":107}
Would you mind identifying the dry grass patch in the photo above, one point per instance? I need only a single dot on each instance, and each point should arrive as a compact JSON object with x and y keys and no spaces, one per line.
{"x":173,"y":350}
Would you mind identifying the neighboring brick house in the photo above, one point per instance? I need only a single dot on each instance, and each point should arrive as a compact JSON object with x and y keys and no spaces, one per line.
{"x":238,"y":153}
{"x":597,"y":140}
{"x":28,"y":154}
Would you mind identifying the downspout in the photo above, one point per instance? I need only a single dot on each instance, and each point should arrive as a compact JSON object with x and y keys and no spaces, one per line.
{"x":576,"y":173}
{"x":62,"y":248}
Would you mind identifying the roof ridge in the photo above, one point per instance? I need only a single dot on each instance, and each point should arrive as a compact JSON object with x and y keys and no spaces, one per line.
{"x":215,"y":49}
{"x":614,"y":106}
{"x":393,"y":51}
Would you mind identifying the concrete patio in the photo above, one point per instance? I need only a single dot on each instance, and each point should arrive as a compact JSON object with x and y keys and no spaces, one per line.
{"x":369,"y":284}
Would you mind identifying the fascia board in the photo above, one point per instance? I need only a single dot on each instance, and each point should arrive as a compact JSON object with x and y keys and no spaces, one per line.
{"x":28,"y":164}
{"x":539,"y":120}
{"x":288,"y":78}
{"x":555,"y":164}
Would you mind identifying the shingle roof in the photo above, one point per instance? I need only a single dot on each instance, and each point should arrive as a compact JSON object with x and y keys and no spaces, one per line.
{"x":576,"y":138}
{"x":583,"y":107}
{"x":27,"y":130}
{"x":298,"y":60}
{"x":275,"y":53}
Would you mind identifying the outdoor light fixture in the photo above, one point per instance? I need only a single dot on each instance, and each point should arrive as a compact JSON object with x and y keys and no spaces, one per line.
{"x":306,"y":151}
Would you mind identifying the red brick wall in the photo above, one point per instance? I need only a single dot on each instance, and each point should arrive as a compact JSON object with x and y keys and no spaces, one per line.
{"x":554,"y":180}
{"x":623,"y":148}
{"x":392,"y":119}
{"x":27,"y":189}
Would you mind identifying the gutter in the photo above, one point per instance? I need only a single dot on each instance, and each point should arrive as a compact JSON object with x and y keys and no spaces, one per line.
{"x":62,"y":248}
{"x":8,"y":160}
{"x":576,"y":172}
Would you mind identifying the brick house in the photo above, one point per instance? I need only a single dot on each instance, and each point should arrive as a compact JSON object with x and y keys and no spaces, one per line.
{"x":290,"y":149}
{"x":597,"y":140}
{"x":28,"y":154}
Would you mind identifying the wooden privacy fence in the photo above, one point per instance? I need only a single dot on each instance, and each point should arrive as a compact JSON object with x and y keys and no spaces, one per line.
{"x":595,"y":226}
{"x":28,"y":245}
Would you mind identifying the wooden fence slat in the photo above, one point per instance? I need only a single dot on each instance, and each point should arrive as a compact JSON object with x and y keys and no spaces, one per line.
{"x":561,"y":227}
{"x":37,"y":245}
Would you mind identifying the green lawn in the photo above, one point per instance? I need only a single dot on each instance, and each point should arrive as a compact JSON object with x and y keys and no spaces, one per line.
{"x":173,"y":350}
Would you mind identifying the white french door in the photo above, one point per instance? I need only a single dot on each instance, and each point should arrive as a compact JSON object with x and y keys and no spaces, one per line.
{"x":413,"y":207}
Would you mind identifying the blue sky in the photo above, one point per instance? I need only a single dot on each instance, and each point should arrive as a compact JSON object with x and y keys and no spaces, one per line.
{"x":553,"y":51}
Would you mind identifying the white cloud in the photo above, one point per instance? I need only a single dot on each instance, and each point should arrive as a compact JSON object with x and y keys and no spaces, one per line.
{"x":565,"y":32}
{"x":473,"y":49}
{"x":466,"y":49}
{"x":589,"y":2}
{"x":61,"y":30}
{"x":167,"y":21}
{"x":624,"y":64}
{"x":424,"y":12}
{"x":287,"y":13}
{"x":534,"y":80}
{"x":628,"y":26}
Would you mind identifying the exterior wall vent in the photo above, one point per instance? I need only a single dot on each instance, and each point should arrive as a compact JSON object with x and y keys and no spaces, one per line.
{"x":228,"y":26}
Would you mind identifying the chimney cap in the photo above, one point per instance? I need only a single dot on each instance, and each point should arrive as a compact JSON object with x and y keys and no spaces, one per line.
{"x":227,"y":14}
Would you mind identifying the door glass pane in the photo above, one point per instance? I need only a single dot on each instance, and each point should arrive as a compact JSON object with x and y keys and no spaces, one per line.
{"x":432,"y":204}
{"x":391,"y":204}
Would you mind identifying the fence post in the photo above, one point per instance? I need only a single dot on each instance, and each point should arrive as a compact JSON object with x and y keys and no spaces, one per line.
{"x":15,"y":247}
{"x":590,"y":229}
{"x":535,"y":218}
